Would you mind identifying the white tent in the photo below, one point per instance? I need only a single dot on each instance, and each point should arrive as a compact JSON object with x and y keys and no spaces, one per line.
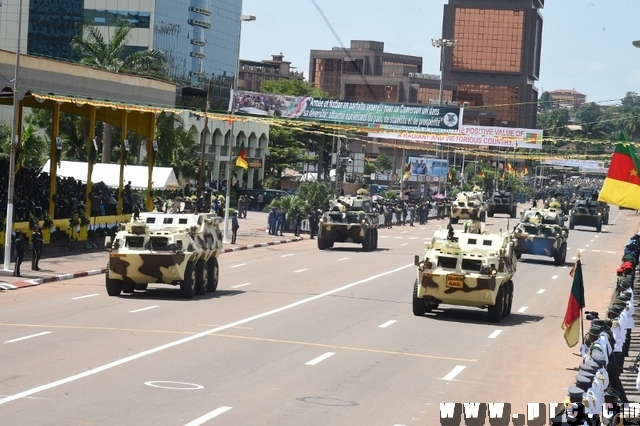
{"x":162,"y":177}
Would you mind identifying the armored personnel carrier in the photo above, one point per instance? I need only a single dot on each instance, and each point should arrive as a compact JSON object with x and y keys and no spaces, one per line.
{"x":177,"y":249}
{"x":466,"y":269}
{"x":350,"y":220}
{"x":542,"y":232}
{"x":502,"y":202}
{"x":465,"y":204}
{"x":589,"y":212}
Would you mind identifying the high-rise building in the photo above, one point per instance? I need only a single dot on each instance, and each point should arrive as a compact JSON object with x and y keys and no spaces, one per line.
{"x":252,"y":73}
{"x":365,"y":72}
{"x":199,"y":37}
{"x":496,"y":61}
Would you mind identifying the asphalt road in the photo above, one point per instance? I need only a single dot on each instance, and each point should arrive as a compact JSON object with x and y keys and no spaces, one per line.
{"x":295,"y":336}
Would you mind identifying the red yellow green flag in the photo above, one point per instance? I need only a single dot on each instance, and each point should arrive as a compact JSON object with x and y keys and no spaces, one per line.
{"x":508,"y":167}
{"x":622,"y":185}
{"x":481,"y":174}
{"x":525,"y":170}
{"x":407,"y":172}
{"x":241,"y":160}
{"x":572,"y":318}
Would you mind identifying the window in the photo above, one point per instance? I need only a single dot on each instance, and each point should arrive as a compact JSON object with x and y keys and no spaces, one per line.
{"x":447,"y":262}
{"x":134,"y":242}
{"x":471,"y":265}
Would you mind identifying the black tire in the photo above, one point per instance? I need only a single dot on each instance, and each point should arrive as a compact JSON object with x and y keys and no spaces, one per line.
{"x":213,"y":275}
{"x":366,"y":244}
{"x":605,"y":221}
{"x":453,"y":220}
{"x":510,"y":284}
{"x":322,"y":244}
{"x":114,"y":287}
{"x":495,"y":311}
{"x":505,"y":301}
{"x":128,"y":287}
{"x":571,"y":224}
{"x":375,"y":239}
{"x":141,"y":287}
{"x":202,"y":277}
{"x":561,"y":255}
{"x":483,"y":217}
{"x":490,"y":213}
{"x":514,"y":213}
{"x":188,"y":285}
{"x":599,"y":226}
{"x":419,"y":305}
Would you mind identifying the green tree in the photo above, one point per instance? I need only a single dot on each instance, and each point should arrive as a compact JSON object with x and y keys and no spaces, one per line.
{"x":285,"y":150}
{"x":292,"y":87}
{"x":5,"y":137}
{"x":109,"y":55}
{"x":383,"y":163}
{"x":546,"y":101}
{"x":33,"y":147}
{"x":554,"y":122}
{"x":588,"y":116}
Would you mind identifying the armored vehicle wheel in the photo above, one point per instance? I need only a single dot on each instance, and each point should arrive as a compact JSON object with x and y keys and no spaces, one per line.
{"x":483,"y":217}
{"x":453,"y":220}
{"x":375,"y":239}
{"x":188,"y":285}
{"x":141,"y":287}
{"x":213,"y":274}
{"x":510,"y":284}
{"x":322,"y":244}
{"x":495,"y":311}
{"x":202,"y":277}
{"x":420,"y":307}
{"x":518,"y":255}
{"x":561,"y":255}
{"x":505,"y":301}
{"x":605,"y":220}
{"x":571,"y":224}
{"x":114,"y":287}
{"x":128,"y":287}
{"x":599,"y":226}
{"x":366,"y":244}
{"x":490,"y":213}
{"x":514,"y":212}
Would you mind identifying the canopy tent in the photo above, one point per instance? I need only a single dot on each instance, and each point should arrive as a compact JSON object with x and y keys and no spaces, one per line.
{"x":163,"y":177}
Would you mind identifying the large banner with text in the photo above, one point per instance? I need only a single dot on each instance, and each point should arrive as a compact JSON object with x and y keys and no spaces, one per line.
{"x":381,"y":116}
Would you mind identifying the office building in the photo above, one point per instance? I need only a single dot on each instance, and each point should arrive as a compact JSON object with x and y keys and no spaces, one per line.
{"x":252,"y":73}
{"x":365,"y":72}
{"x":567,"y":98}
{"x":496,"y":61}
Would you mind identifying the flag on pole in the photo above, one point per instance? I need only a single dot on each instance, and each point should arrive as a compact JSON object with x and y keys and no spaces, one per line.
{"x":622,"y":184}
{"x":407,"y":172}
{"x":508,"y":167}
{"x":571,"y":323}
{"x":241,"y":160}
{"x":502,"y":176}
{"x":525,"y":170}
{"x":451,"y":174}
{"x":481,"y":174}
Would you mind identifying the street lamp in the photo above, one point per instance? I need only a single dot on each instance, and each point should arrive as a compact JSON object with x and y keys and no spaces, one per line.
{"x":636,"y":43}
{"x":243,"y":18}
{"x":442,"y":43}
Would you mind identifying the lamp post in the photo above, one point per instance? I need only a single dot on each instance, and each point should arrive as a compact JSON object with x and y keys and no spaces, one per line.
{"x":442,"y":43}
{"x":243,"y":18}
{"x":15,"y":138}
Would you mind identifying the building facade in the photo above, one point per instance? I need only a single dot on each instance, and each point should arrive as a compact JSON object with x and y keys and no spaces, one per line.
{"x":200,"y":38}
{"x":252,"y":73}
{"x":496,"y":61}
{"x":365,"y":72}
{"x":567,"y":98}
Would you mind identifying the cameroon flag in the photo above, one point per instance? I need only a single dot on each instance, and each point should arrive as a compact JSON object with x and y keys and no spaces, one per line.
{"x":481,"y":174}
{"x":572,"y":318}
{"x":407,"y":172}
{"x":622,"y":185}
{"x":241,"y":161}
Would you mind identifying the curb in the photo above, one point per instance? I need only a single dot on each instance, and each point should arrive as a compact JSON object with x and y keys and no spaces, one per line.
{"x":37,"y":281}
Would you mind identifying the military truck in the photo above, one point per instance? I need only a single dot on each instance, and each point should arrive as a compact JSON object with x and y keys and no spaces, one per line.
{"x":542,"y":232}
{"x":171,"y":248}
{"x":502,"y":202}
{"x":589,"y":212}
{"x":466,"y":203}
{"x":466,"y":269}
{"x":351,"y":219}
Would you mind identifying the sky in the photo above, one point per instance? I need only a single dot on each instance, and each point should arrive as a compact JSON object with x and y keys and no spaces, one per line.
{"x":586,"y":45}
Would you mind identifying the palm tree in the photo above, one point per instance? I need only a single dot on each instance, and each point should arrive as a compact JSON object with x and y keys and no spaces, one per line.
{"x":109,"y":55}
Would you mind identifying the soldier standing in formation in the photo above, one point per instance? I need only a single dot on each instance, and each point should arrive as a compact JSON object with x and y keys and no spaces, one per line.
{"x":234,"y":227}
{"x":313,"y":223}
{"x":20,"y":251}
{"x":36,"y":243}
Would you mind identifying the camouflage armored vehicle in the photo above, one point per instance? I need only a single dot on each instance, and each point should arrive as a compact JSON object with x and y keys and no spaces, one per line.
{"x":542,"y":232}
{"x":502,"y":202}
{"x":589,"y":212}
{"x":465,"y":204}
{"x":350,"y":220}
{"x":177,"y":249}
{"x":466,"y":269}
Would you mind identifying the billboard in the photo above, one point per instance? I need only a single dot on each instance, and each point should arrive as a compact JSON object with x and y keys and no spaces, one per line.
{"x":413,"y":118}
{"x":506,"y":137}
{"x":435,"y":167}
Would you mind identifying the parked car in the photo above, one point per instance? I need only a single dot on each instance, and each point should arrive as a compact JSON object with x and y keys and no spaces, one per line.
{"x":267,"y":196}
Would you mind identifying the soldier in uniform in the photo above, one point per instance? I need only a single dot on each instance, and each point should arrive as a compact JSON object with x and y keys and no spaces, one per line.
{"x":36,"y":244}
{"x":440,"y":209}
{"x":473,"y":225}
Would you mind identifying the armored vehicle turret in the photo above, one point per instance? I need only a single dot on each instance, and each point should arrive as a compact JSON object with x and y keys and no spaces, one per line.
{"x":349,"y":220}
{"x":466,"y":269}
{"x":542,"y":232}
{"x":177,"y":249}
{"x":502,"y":202}
{"x":589,"y":212}
{"x":467,"y":203}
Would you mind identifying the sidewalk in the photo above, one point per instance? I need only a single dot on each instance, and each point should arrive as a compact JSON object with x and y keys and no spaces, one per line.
{"x":58,"y":263}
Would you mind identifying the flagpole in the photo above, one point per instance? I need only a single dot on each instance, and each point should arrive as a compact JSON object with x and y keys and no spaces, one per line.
{"x":227,"y":198}
{"x":581,"y":316}
{"x":403,"y":173}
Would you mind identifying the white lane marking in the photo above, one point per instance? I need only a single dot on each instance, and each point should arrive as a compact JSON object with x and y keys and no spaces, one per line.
{"x":596,"y":251}
{"x":84,"y":297}
{"x":320,"y":358}
{"x":521,"y":310}
{"x":31,"y":336}
{"x":398,"y":238}
{"x":573,"y":258}
{"x":344,"y":258}
{"x":413,"y":238}
{"x":586,"y":245}
{"x":611,"y":252}
{"x":403,"y":232}
{"x":238,"y":265}
{"x":597,"y":236}
{"x":555,"y":277}
{"x":125,"y":360}
{"x":162,"y":384}
{"x":144,"y":309}
{"x":541,"y":291}
{"x":287,"y":255}
{"x":404,"y":244}
{"x":564,"y":267}
{"x":456,"y":370}
{"x":383,"y":236}
{"x":495,"y":334}
{"x":592,"y":240}
{"x":209,"y":416}
{"x":241,"y":285}
{"x":300,"y":270}
{"x":387,"y":324}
